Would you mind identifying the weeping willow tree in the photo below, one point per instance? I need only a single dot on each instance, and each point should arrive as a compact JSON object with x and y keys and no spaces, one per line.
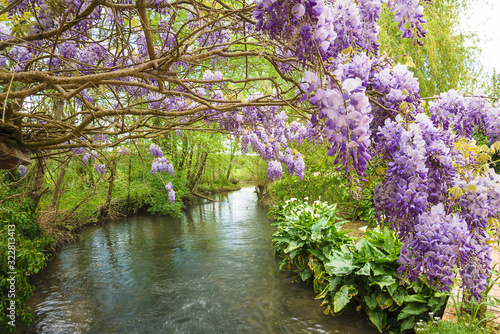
{"x":446,"y":60}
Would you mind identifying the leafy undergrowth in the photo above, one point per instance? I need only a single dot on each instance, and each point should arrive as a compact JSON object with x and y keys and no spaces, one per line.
{"x":23,"y":248}
{"x":342,"y":271}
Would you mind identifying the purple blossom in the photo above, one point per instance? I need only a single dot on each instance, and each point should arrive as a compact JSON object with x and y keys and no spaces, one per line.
{"x":87,"y":156}
{"x":100,"y":168}
{"x":274,"y":170}
{"x":22,"y":171}
{"x":4,"y":32}
{"x":441,"y":242}
{"x":171,"y":193}
{"x":155,"y":151}
{"x":78,"y":150}
{"x":161,"y":165}
{"x":101,"y":138}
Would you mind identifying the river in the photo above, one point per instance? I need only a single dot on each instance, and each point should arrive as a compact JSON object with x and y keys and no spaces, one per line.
{"x":211,"y":271}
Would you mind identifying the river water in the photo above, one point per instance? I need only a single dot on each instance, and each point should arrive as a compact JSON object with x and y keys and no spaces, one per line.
{"x":211,"y":271}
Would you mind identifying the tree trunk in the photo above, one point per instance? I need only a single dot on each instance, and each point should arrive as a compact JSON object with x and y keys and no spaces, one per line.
{"x":36,"y":189}
{"x":231,"y":158}
{"x":185,"y":148}
{"x":188,"y":165}
{"x":110,"y":186}
{"x":58,"y":108}
{"x":129,"y":179}
{"x":201,"y":169}
{"x":56,"y":196}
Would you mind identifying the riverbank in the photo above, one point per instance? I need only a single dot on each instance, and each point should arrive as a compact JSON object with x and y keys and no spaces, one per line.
{"x":65,"y":227}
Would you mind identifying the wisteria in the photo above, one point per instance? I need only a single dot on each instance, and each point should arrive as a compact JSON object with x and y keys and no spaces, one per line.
{"x":88,"y":156}
{"x":22,"y":171}
{"x":171,"y":193}
{"x":326,"y":29}
{"x":155,"y":151}
{"x":161,"y":165}
{"x":441,"y":242}
{"x":419,"y":151}
{"x":100,"y":168}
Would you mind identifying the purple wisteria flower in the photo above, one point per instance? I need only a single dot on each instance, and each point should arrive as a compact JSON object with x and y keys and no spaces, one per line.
{"x":442,"y":242}
{"x":88,"y":156}
{"x":161,"y":165}
{"x":22,"y":171}
{"x":155,"y":151}
{"x":171,"y":193}
{"x":78,"y":150}
{"x":100,"y":168}
{"x":274,"y":170}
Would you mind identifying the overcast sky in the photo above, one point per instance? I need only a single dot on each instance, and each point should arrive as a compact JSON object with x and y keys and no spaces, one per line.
{"x":483,"y":19}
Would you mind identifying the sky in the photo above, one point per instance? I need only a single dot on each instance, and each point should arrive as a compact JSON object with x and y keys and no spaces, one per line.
{"x":483,"y":18}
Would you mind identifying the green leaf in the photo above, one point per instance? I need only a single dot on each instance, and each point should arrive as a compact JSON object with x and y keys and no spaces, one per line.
{"x":365,"y":270}
{"x":393,"y":307}
{"x":389,"y":244}
{"x":378,"y":318}
{"x":384,"y":300}
{"x":294,"y":253}
{"x":371,"y":301}
{"x":318,"y":253}
{"x":342,"y":297}
{"x":334,"y":282}
{"x":398,"y":296}
{"x":415,"y":298}
{"x":306,"y":274}
{"x":412,"y":309}
{"x":436,"y":302}
{"x":323,"y":293}
{"x":382,"y":281}
{"x":317,"y":228}
{"x":341,"y":265}
{"x":378,"y":269}
{"x":393,"y":287}
{"x":408,"y":323}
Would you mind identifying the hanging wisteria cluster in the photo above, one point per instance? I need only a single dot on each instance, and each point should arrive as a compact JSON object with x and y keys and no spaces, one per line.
{"x":171,"y":193}
{"x":160,"y":165}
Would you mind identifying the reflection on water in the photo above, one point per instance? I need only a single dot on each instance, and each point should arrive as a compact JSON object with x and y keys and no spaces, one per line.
{"x":211,"y":271}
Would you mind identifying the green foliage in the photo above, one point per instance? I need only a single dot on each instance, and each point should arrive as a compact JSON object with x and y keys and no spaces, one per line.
{"x":306,"y":233}
{"x":438,"y":326}
{"x":323,"y":182}
{"x":158,"y":202}
{"x":30,"y":246}
{"x":343,"y":272}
